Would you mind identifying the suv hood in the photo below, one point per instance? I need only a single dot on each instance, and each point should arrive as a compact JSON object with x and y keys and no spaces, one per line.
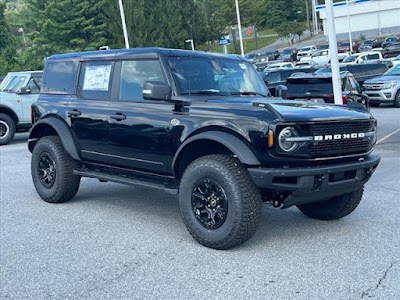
{"x":383,"y":79}
{"x":301,"y":111}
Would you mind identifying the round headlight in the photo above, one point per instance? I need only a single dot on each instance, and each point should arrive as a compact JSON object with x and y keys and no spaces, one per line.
{"x":285,"y":144}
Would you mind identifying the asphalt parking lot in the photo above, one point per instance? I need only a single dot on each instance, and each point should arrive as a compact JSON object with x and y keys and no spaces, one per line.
{"x":119,"y":242}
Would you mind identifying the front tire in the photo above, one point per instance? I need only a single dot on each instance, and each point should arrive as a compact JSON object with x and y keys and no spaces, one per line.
{"x":7,"y":129}
{"x":397,"y":100}
{"x":219,"y":202}
{"x":333,"y":209}
{"x":52,"y":171}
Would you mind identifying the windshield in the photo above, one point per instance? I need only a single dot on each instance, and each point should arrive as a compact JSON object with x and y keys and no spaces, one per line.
{"x":391,"y":39}
{"x":13,"y":83}
{"x":306,"y":49}
{"x":368,"y":42}
{"x":323,"y":47}
{"x":395,"y":71}
{"x":219,"y":76}
{"x":349,"y":59}
{"x":344,"y":45}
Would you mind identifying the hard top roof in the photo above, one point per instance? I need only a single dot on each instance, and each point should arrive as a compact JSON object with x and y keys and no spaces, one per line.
{"x":33,"y":73}
{"x":138,"y":53}
{"x":316,"y":75}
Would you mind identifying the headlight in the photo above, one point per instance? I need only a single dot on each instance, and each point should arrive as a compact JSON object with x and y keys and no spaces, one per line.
{"x":284,"y":139}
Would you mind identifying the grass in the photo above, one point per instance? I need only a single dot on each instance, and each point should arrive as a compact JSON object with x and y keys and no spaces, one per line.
{"x":249,"y":45}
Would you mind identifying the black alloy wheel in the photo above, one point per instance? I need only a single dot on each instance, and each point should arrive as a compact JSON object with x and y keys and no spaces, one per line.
{"x":47,"y":170}
{"x":209,"y":203}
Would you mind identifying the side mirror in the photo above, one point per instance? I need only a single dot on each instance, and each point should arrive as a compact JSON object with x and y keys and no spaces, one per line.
{"x":281,"y":91}
{"x":156,"y":90}
{"x":24,"y":91}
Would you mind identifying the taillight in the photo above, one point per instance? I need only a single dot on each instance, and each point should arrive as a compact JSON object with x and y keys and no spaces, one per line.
{"x":32,"y":116}
{"x":344,"y":99}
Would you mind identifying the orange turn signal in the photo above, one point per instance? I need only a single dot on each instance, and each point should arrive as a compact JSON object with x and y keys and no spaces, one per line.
{"x":270,"y":138}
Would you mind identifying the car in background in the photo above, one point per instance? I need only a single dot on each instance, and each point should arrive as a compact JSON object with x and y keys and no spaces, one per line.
{"x":275,"y":78}
{"x":251,"y":57}
{"x":368,"y":45}
{"x":365,"y":57}
{"x":304,"y":64}
{"x":320,"y":58}
{"x":396,"y":61}
{"x":306,"y":52}
{"x":322,"y":46}
{"x":279,"y":66}
{"x":1,"y":78}
{"x":288,"y":55}
{"x":345,"y":47}
{"x":261,"y":62}
{"x":361,"y":72}
{"x":392,"y":51}
{"x":18,"y":91}
{"x":319,"y":88}
{"x":384,"y":89}
{"x":389,"y":41}
{"x":272,"y":55}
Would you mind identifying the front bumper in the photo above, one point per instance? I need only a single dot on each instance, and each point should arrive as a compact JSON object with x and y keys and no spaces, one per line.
{"x":313,"y":184}
{"x":380,"y":96}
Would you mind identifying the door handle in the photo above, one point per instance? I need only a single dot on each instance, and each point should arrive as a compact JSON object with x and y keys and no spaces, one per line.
{"x":118,"y":117}
{"x":74,"y":113}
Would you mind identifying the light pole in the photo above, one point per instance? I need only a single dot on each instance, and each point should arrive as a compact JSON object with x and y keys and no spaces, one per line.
{"x":315,"y":18}
{"x":330,"y":21}
{"x":191,"y":43}
{"x":121,"y":9}
{"x":240,"y":28}
{"x":349,"y":26}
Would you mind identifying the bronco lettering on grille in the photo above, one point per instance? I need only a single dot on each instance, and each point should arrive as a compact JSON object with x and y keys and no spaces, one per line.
{"x":345,"y":136}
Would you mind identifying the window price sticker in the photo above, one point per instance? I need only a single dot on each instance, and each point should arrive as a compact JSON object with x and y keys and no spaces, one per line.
{"x":97,"y":78}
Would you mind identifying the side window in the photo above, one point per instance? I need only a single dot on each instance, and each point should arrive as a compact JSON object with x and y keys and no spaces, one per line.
{"x":134,"y":73}
{"x":60,"y":77}
{"x":95,"y":80}
{"x":33,"y":86}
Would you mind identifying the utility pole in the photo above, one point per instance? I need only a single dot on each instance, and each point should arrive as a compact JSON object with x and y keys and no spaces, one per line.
{"x":240,"y":28}
{"x":308,"y":17}
{"x":349,"y":26}
{"x":121,"y":9}
{"x":330,"y":21}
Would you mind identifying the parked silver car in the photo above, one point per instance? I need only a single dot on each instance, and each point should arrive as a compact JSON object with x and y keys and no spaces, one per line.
{"x":384,"y":89}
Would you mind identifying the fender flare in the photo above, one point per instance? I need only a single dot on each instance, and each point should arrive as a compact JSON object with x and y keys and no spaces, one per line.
{"x":10,"y":111}
{"x":62,"y":131}
{"x":234,"y":144}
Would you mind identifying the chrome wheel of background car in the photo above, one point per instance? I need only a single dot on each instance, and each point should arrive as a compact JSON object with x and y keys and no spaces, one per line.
{"x":209,"y":203}
{"x":47,"y":170}
{"x":4,"y":130}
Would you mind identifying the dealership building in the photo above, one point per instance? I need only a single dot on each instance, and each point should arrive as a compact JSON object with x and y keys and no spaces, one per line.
{"x":367,"y":17}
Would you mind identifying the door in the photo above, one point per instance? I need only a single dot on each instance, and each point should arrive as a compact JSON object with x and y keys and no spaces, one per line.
{"x":143,"y":133}
{"x":33,"y":85}
{"x":88,"y":111}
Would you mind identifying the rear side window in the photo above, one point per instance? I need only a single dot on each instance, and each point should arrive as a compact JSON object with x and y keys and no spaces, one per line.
{"x":95,"y":80}
{"x":60,"y":77}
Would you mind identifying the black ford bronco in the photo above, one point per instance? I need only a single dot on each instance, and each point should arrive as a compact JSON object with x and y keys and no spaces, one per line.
{"x":202,"y":126}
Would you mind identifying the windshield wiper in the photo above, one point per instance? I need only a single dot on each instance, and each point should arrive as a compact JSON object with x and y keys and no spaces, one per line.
{"x":205,"y":92}
{"x":248,"y":94}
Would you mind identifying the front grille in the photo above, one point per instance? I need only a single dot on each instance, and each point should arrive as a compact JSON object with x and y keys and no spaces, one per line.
{"x":339,"y":147}
{"x":338,"y":127}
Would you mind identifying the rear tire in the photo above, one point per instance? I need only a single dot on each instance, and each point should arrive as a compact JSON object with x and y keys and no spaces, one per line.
{"x":219,"y":202}
{"x":52,"y":171}
{"x":7,"y":129}
{"x":333,"y":209}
